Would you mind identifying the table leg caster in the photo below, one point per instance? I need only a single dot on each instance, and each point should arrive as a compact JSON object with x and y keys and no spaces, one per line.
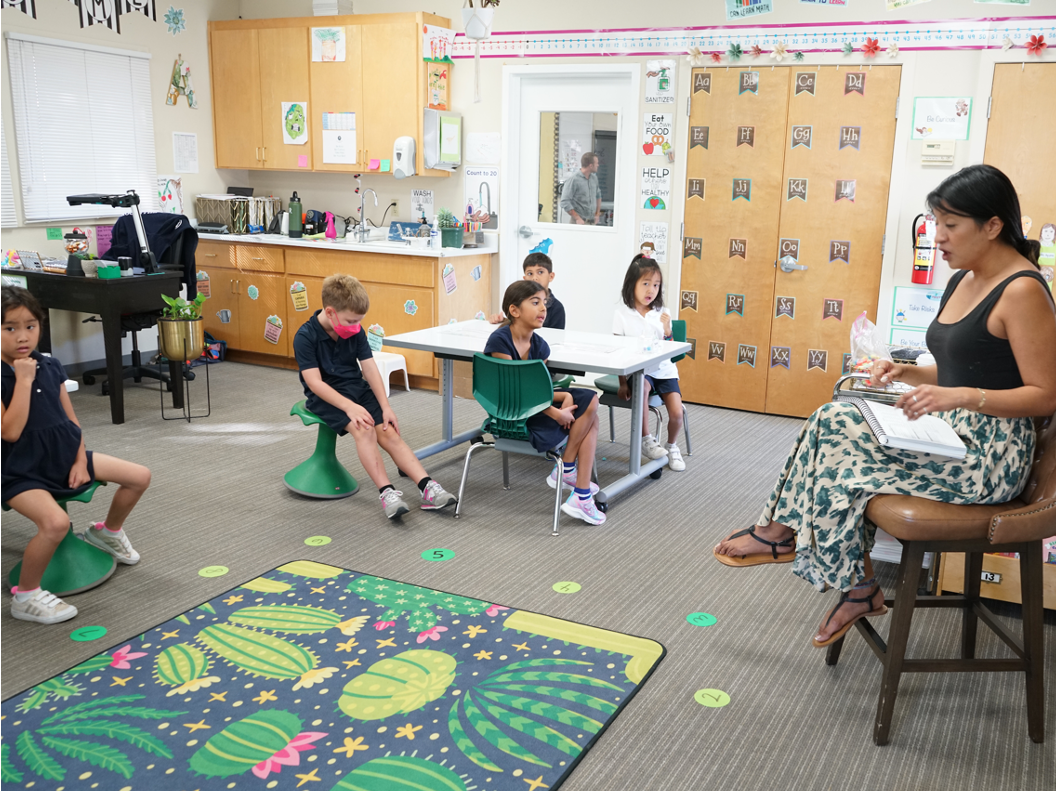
{"x":656,"y":474}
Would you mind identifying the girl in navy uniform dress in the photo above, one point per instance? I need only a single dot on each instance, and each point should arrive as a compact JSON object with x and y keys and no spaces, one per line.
{"x":44,"y":459}
{"x":574,"y":413}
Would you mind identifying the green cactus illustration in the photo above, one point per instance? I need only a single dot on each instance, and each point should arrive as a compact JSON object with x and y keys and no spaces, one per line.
{"x":58,"y":688}
{"x":304,"y":619}
{"x":403,"y":683}
{"x":184,"y":667}
{"x":264,"y":655}
{"x":416,"y":602}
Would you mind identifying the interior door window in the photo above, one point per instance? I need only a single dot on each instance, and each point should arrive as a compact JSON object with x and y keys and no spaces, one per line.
{"x":577,"y":167}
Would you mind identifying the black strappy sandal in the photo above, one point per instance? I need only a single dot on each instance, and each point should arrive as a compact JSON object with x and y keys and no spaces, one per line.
{"x":846,"y":597}
{"x":754,"y":559}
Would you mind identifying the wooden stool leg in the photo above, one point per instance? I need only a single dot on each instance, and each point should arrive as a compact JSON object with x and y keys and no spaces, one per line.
{"x":1030,"y":571}
{"x":905,"y":600}
{"x":973,"y":578}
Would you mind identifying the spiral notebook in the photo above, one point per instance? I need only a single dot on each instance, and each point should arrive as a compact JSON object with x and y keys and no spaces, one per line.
{"x":928,"y":434}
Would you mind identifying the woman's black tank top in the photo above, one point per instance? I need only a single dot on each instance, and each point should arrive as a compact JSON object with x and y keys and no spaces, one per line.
{"x":966,"y":354}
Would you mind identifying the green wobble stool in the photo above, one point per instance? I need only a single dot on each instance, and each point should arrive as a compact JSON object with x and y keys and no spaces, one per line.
{"x":321,"y":475}
{"x":76,"y":566}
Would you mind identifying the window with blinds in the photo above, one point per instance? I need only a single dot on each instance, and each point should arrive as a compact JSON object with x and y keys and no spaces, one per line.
{"x":83,"y":124}
{"x":8,"y":218}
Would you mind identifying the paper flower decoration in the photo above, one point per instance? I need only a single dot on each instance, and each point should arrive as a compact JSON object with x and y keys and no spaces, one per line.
{"x":870,"y":47}
{"x":848,"y":48}
{"x":716,"y":57}
{"x":892,"y":51}
{"x":799,"y":56}
{"x":174,"y":20}
{"x":1036,"y":45}
{"x":1007,"y":44}
{"x":734,"y":52}
{"x":695,"y":56}
{"x":756,"y":50}
{"x":779,"y":51}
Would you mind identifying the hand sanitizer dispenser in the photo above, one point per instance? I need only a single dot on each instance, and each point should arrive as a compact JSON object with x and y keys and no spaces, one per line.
{"x":403,"y":157}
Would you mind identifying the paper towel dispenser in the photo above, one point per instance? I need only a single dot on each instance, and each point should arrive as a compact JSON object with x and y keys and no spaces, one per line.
{"x":442,"y":140}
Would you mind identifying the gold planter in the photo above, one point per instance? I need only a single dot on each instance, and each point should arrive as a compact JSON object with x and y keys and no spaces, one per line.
{"x":181,"y":339}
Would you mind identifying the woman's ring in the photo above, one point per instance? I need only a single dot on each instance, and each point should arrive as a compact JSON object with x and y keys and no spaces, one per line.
{"x":914,"y":398}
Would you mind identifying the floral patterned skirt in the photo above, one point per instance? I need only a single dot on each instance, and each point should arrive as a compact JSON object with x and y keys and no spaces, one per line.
{"x":837,"y":465}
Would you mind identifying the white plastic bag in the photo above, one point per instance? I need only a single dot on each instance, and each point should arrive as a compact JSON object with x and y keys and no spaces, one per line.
{"x":867,"y":344}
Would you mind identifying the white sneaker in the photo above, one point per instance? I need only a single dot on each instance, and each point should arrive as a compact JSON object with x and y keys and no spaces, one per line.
{"x":44,"y":608}
{"x":652,"y":449}
{"x":436,"y":497}
{"x":674,"y":458}
{"x":116,"y":544}
{"x":392,"y":503}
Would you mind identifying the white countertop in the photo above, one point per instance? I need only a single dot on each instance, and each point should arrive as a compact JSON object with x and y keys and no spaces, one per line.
{"x":569,"y":349}
{"x":380,"y":245}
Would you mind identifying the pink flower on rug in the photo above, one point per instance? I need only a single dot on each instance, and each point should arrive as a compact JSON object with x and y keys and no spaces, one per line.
{"x":290,"y":755}
{"x":383,"y":625}
{"x":123,"y":655}
{"x":493,"y":610}
{"x":434,"y":634}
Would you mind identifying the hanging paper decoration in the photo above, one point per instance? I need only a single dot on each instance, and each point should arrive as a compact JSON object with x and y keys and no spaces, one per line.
{"x":1007,"y":44}
{"x":716,"y":57}
{"x":144,"y":7}
{"x":175,"y":21}
{"x":28,"y":7}
{"x":848,"y":48}
{"x":779,"y":52}
{"x":799,"y":56}
{"x":170,"y":194}
{"x":180,"y":84}
{"x":756,"y":50}
{"x":734,"y":52}
{"x":436,"y":43}
{"x":1036,"y":45}
{"x":892,"y":50}
{"x":100,"y":13}
{"x":871,"y":47}
{"x":695,"y":57}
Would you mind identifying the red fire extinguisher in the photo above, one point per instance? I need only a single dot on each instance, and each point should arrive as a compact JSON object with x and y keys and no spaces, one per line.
{"x":923,"y":250}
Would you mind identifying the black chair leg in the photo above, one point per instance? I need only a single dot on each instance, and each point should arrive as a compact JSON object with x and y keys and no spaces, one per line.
{"x":1030,"y":572}
{"x":832,"y":655}
{"x":905,"y":600}
{"x":973,"y":578}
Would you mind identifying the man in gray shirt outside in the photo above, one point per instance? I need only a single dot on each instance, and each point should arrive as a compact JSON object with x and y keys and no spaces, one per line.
{"x":581,"y":195}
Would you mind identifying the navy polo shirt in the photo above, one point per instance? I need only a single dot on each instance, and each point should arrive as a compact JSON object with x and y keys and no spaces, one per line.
{"x":337,"y":361}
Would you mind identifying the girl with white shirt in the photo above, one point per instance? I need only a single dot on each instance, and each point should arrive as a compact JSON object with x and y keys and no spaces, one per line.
{"x":643,"y":314}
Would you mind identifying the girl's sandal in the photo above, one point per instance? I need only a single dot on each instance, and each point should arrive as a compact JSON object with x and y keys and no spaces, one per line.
{"x":846,"y":597}
{"x":754,"y":559}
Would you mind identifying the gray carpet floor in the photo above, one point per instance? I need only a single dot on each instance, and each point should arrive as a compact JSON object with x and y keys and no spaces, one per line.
{"x":793,"y":723}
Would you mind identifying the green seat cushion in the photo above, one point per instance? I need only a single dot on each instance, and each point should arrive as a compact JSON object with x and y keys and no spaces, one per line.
{"x":84,"y":497}
{"x":610,"y":383}
{"x":564,"y":382}
{"x":307,"y":417}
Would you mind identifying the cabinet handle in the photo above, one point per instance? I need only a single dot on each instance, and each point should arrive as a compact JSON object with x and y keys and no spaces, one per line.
{"x":257,"y":258}
{"x":209,"y":255}
{"x":239,"y":287}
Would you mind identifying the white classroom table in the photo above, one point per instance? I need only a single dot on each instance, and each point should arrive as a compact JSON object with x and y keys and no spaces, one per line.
{"x":570,"y":352}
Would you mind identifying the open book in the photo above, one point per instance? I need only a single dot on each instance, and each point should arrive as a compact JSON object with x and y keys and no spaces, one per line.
{"x":928,"y":434}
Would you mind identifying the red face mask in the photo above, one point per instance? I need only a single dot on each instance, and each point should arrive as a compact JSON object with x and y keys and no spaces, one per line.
{"x":342,"y":330}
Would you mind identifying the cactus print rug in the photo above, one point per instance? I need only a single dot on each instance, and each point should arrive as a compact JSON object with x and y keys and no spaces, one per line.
{"x":314,"y":677}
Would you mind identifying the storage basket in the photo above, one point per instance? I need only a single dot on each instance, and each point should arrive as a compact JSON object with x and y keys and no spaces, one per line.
{"x":241,"y":215}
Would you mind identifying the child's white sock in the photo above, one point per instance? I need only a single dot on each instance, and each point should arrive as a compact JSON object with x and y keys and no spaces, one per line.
{"x":22,"y":596}
{"x":99,"y":526}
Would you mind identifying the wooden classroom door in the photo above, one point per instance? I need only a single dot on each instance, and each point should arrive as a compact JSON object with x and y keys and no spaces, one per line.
{"x":733,"y":200}
{"x":1025,"y":151}
{"x":833,"y":212}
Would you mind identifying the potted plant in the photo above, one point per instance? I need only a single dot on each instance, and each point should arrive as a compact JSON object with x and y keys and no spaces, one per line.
{"x":477,"y":21}
{"x":450,"y":233}
{"x":181,"y":334}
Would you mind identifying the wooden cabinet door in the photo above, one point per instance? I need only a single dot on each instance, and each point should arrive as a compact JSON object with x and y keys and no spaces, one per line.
{"x":260,"y":298}
{"x":391,"y":69}
{"x":833,"y":208}
{"x":737,"y":119}
{"x":389,"y":308}
{"x":313,"y":290}
{"x":338,"y":88}
{"x":284,"y":56}
{"x":235,"y":80}
{"x":220,"y":313}
{"x":1019,"y":149}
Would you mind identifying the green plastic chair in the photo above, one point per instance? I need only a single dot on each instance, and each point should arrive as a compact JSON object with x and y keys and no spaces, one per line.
{"x":321,"y":475}
{"x":511,"y":392}
{"x":76,"y":566}
{"x":564,"y":382}
{"x":609,"y":385}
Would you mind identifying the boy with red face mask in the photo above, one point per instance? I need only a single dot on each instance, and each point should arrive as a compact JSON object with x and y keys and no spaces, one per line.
{"x":344,"y":387}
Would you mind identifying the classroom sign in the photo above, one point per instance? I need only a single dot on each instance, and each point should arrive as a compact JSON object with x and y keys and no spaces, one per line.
{"x":915,"y":308}
{"x":656,"y":135}
{"x":941,"y":117}
{"x":656,"y":187}
{"x":660,"y":82}
{"x":656,"y":234}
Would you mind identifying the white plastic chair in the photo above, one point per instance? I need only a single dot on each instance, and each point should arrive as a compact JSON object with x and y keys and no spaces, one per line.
{"x":389,"y":362}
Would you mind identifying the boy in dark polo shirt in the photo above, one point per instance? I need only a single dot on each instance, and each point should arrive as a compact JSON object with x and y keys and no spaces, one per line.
{"x":539,"y":268}
{"x":344,"y":387}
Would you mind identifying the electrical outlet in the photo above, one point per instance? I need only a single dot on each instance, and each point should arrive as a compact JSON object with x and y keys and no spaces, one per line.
{"x":395,"y":208}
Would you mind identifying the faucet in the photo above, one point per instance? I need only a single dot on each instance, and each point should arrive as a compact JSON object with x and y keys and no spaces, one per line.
{"x":362,"y":231}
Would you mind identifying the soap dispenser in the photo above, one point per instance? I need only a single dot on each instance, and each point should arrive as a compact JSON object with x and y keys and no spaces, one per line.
{"x":295,"y":217}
